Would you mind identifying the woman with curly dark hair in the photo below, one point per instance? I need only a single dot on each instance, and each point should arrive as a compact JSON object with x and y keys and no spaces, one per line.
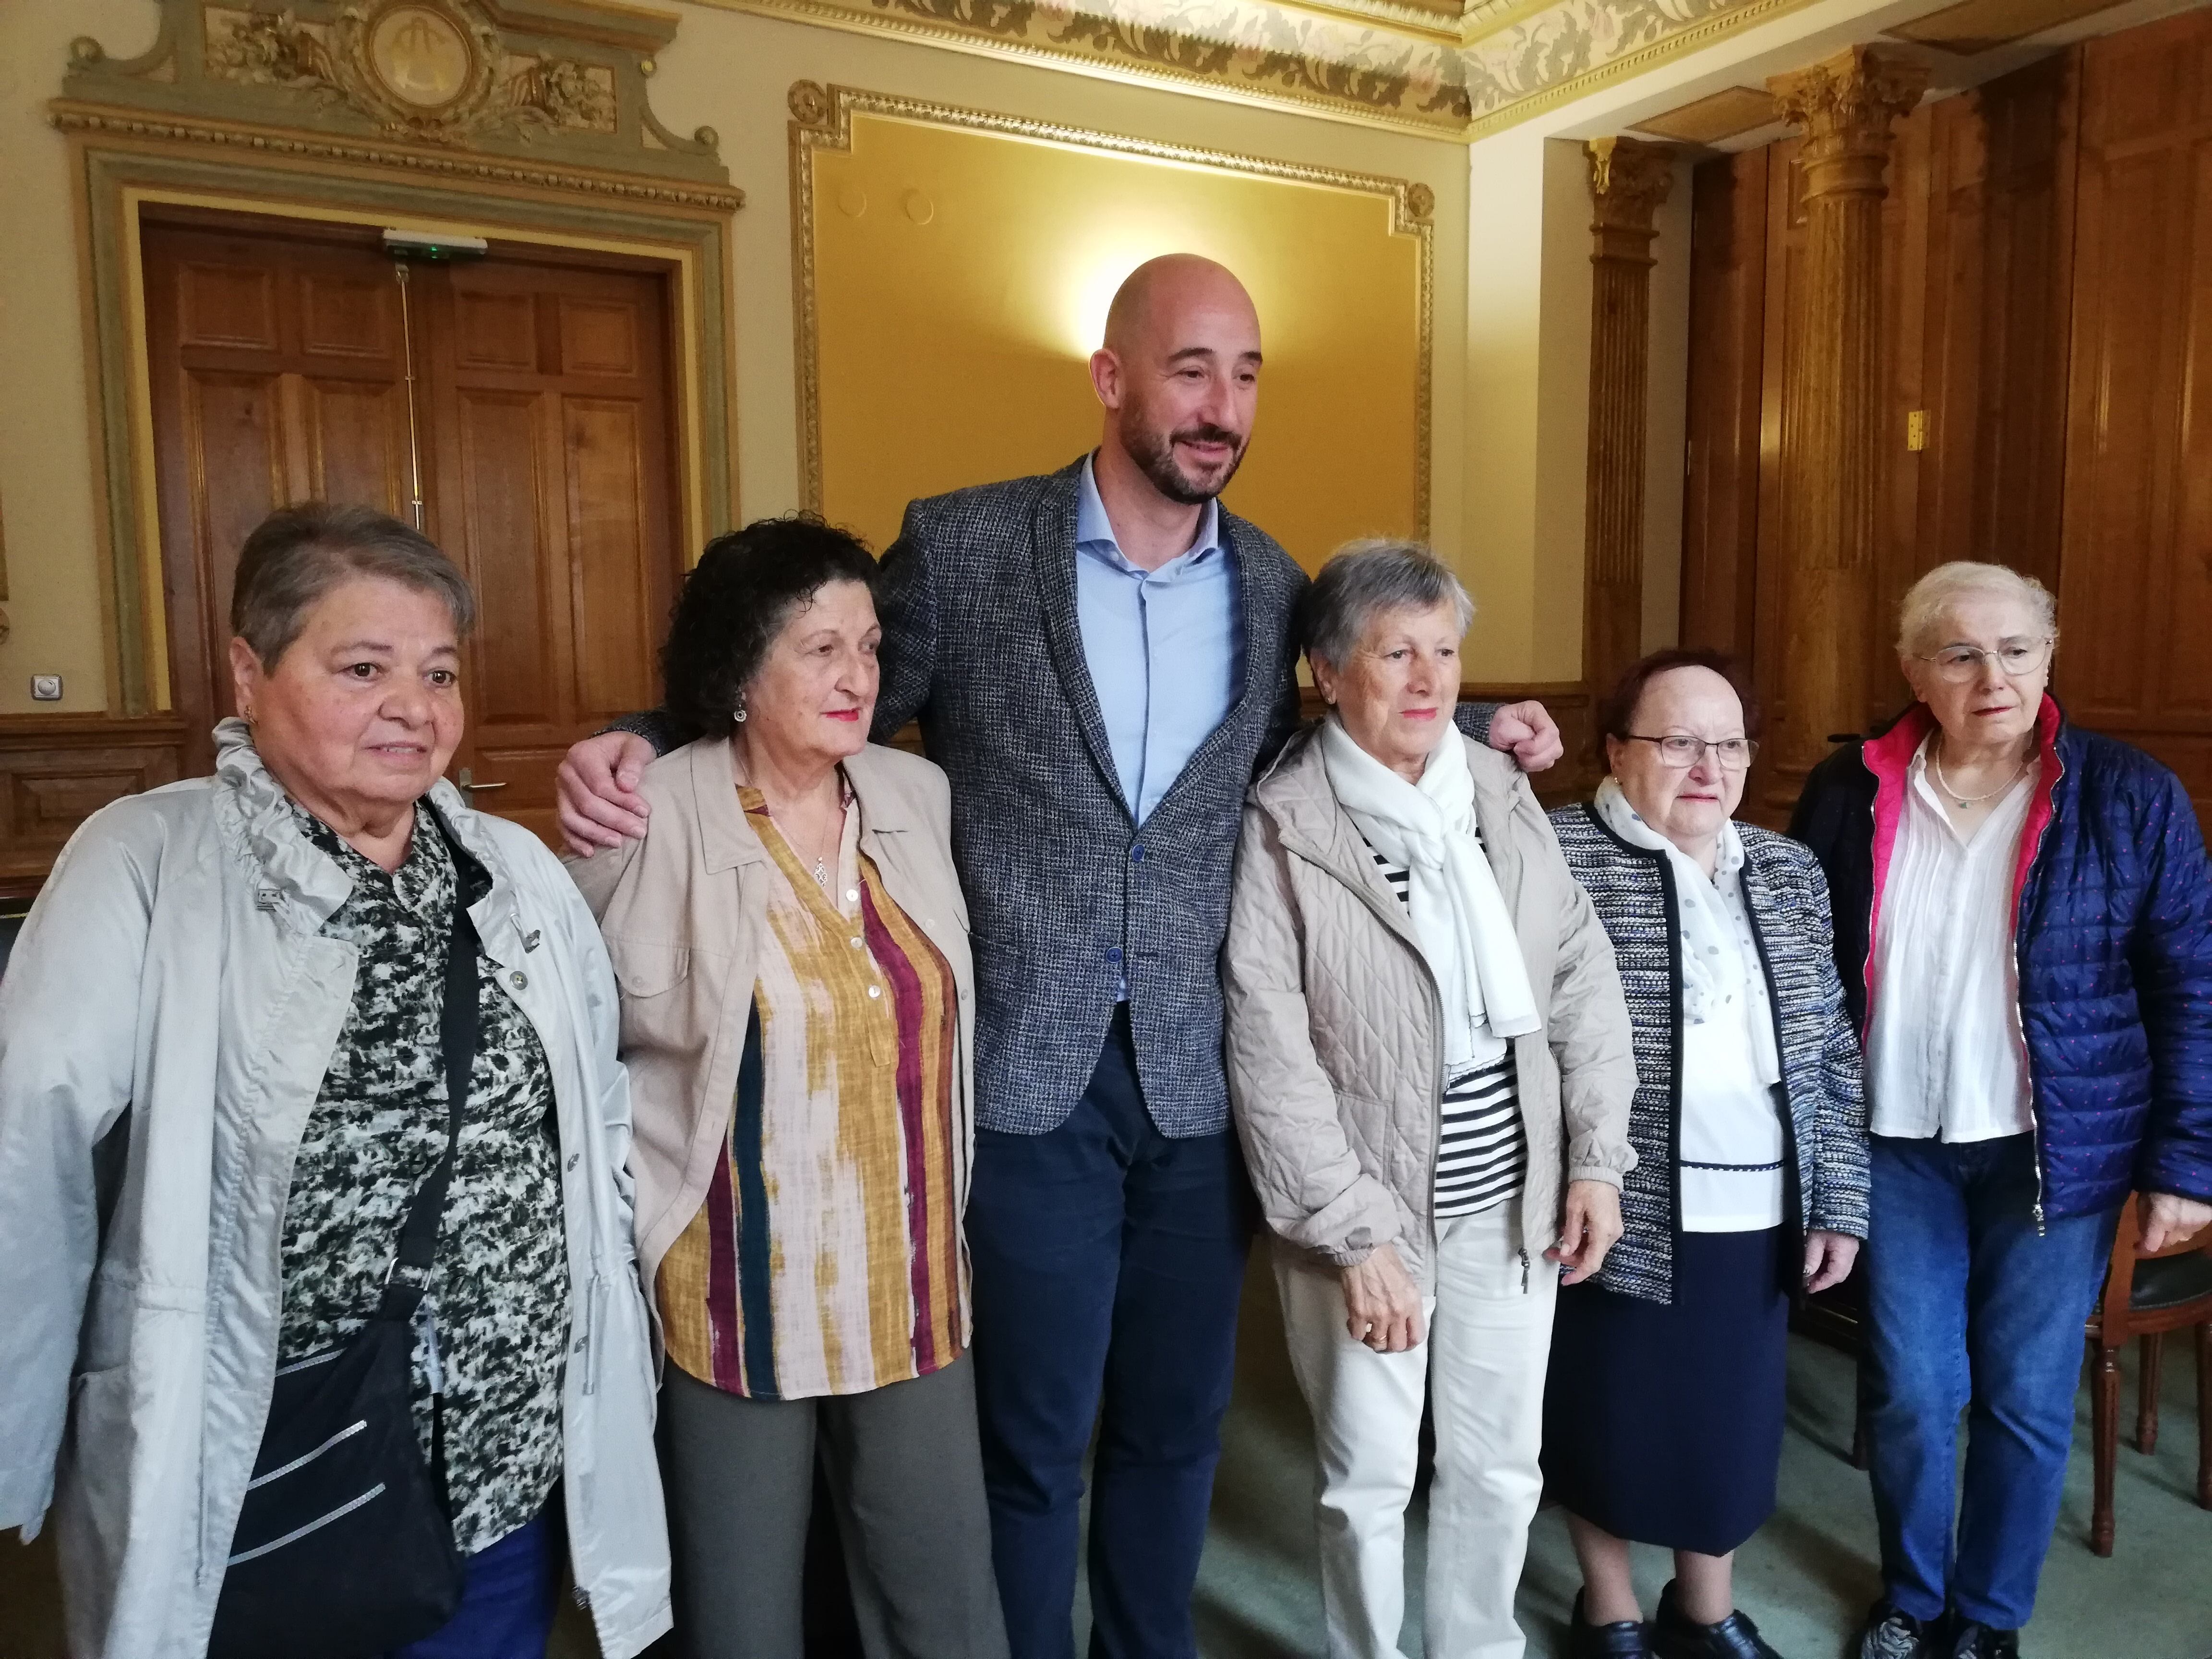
{"x":792,"y":949}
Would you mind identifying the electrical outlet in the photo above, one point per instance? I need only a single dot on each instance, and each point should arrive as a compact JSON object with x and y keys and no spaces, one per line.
{"x":46,"y":688}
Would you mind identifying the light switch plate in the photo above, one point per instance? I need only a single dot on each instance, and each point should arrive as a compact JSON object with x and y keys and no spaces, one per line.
{"x":46,"y":688}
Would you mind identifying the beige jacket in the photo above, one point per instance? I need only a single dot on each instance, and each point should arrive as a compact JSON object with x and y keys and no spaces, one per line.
{"x":685,"y":912}
{"x":1336,"y":1063}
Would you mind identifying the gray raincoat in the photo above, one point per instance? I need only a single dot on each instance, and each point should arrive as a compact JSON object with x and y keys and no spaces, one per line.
{"x":165,"y":1023}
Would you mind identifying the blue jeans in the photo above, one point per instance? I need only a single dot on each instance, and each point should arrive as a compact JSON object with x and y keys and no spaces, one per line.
{"x":1968,"y":1306}
{"x":1108,"y":1260}
{"x":507,"y":1605}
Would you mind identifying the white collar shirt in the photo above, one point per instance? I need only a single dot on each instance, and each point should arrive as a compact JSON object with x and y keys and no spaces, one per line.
{"x":1944,"y":1059}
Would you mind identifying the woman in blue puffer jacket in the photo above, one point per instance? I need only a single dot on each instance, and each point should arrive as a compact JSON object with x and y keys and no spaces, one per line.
{"x":2023,"y":917}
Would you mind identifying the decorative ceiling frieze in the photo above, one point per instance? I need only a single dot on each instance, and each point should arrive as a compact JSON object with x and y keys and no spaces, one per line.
{"x":543,"y":91}
{"x":1451,"y":68}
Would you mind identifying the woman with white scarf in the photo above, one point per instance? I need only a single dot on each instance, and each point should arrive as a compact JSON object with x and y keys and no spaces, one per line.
{"x":1429,"y":1059}
{"x":1663,"y":1419}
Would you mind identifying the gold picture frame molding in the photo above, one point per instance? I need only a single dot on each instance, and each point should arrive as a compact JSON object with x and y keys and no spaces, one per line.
{"x":121,"y":160}
{"x":822,"y":120}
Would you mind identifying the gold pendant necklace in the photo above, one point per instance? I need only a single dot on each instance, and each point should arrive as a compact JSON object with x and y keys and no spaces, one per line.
{"x":1936,"y":759}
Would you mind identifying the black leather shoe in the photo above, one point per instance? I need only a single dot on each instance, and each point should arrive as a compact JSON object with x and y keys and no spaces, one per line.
{"x":1624,"y":1640}
{"x":1971,"y":1641}
{"x":1893,"y":1634}
{"x":1675,"y":1636}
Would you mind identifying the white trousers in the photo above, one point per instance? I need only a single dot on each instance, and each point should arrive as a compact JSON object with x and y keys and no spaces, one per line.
{"x":1489,"y":1337}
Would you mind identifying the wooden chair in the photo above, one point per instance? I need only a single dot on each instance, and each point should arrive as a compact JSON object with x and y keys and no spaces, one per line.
{"x":2146,"y":1296}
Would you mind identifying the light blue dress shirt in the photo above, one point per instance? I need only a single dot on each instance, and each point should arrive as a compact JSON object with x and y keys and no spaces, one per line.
{"x":1165,"y":648}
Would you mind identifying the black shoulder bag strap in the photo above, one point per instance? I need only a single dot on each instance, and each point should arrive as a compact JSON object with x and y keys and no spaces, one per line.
{"x":409,"y":1276}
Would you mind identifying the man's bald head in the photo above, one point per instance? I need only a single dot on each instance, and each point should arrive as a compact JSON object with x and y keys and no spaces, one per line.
{"x":1179,"y":374}
{"x":1162,"y":291}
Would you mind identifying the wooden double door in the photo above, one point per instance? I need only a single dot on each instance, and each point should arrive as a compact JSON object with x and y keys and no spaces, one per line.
{"x":542,"y":433}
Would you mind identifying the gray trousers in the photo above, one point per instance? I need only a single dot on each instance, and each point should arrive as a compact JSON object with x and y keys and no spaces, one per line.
{"x":906,"y":1475}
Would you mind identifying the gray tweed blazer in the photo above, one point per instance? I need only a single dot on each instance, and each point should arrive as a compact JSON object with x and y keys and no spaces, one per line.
{"x":1787,"y":897}
{"x":1066,"y":894}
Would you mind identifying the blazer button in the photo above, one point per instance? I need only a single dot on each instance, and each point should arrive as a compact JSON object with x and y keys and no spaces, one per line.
{"x":518,"y":979}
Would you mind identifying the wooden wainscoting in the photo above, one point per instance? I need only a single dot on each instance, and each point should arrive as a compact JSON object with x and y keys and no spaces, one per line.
{"x":56,"y":770}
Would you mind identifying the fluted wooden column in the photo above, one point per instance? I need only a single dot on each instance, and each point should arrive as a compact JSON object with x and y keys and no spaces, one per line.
{"x":1628,"y":181}
{"x":1832,"y":398}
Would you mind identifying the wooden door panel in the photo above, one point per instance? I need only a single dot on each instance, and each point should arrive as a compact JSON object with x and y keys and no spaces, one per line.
{"x":574,"y":529}
{"x":2114,"y":517}
{"x":599,"y":337}
{"x":497,"y":331}
{"x":504,"y":529}
{"x":350,"y":315}
{"x":232,"y":427}
{"x":355,"y":432}
{"x":277,"y":373}
{"x":226,"y":305}
{"x":611,"y":552}
{"x":2185,"y":689}
{"x":2135,"y":585}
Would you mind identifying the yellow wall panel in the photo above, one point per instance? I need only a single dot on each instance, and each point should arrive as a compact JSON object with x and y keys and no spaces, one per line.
{"x":961,"y":279}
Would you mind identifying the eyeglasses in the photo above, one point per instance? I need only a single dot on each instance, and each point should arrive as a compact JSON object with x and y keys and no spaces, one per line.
{"x":1684,"y":752}
{"x":1962,"y":665}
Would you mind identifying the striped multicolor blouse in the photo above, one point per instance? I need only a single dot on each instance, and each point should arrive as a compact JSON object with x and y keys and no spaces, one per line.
{"x":827,"y":1257}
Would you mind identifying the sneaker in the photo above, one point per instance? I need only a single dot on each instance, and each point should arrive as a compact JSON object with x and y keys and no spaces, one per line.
{"x":1674,"y":1635}
{"x":1624,"y":1640}
{"x":1972,"y":1641}
{"x":1893,"y":1634}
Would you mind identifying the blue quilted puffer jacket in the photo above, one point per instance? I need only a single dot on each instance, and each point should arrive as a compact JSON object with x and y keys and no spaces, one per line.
{"x":2113,"y":932}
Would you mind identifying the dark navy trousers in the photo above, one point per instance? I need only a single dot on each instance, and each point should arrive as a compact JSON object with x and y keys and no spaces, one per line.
{"x":1108,"y":1259}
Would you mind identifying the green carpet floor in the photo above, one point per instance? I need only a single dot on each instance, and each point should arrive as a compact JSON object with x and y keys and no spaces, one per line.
{"x":1807,"y":1577}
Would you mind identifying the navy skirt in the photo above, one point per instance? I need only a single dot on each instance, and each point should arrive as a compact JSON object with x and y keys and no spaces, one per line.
{"x":1663,"y":1424}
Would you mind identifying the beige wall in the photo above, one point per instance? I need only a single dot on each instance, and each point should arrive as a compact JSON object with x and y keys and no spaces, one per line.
{"x":46,"y":486}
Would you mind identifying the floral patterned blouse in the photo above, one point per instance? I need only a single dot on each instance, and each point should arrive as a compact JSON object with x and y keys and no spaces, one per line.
{"x":500,"y":1285}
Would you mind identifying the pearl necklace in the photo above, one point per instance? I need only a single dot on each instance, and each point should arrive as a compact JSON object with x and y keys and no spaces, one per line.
{"x":1935,"y":760}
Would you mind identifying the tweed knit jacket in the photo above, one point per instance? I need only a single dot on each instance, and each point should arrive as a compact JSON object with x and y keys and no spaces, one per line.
{"x":1787,"y":898}
{"x":1067,"y":894}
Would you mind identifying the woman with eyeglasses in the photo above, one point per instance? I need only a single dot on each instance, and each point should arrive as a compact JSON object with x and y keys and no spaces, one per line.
{"x":2024,"y":932}
{"x":1662,"y":1415}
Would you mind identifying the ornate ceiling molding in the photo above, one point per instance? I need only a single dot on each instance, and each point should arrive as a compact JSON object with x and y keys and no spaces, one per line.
{"x":1423,"y":66}
{"x":541,"y":92}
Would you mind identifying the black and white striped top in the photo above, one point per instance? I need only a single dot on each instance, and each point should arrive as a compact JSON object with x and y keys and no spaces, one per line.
{"x":1482,"y":1151}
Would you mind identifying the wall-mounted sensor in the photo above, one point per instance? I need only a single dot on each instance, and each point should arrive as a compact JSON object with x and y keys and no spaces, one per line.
{"x":430,"y":246}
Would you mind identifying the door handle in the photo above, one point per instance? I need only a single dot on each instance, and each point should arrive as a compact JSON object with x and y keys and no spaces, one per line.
{"x":469,"y":785}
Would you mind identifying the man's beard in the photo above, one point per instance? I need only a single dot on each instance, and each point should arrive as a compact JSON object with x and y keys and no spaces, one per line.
{"x":1154,"y":452}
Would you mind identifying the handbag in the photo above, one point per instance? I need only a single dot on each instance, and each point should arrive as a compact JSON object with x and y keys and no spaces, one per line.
{"x":345,"y":1545}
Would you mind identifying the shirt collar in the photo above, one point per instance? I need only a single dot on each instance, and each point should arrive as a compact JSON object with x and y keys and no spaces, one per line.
{"x":1094,"y":530}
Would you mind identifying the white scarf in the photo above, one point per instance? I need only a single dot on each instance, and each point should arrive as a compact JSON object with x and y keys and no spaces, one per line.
{"x":1459,"y":916}
{"x":1720,"y":966}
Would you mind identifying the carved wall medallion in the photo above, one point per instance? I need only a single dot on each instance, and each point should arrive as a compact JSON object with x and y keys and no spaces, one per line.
{"x":420,"y":56}
{"x":497,"y":76}
{"x":432,"y":69}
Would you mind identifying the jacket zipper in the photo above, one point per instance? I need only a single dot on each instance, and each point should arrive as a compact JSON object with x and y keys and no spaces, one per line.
{"x":1437,"y":1027}
{"x":2019,"y":1026}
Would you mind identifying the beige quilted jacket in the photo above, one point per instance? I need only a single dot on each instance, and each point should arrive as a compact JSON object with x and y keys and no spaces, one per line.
{"x":1335,"y":1067}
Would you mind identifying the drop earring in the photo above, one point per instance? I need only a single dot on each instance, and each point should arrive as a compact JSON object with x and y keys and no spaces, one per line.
{"x":739,"y":717}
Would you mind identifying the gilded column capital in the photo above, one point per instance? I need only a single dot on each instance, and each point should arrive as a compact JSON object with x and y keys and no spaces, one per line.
{"x":1628,"y":180}
{"x":1846,"y":104}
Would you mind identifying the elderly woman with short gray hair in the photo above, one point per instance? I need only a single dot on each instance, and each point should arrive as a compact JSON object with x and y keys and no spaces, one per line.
{"x":1429,"y":1056}
{"x":316,"y":1270}
{"x":2023,"y":927}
